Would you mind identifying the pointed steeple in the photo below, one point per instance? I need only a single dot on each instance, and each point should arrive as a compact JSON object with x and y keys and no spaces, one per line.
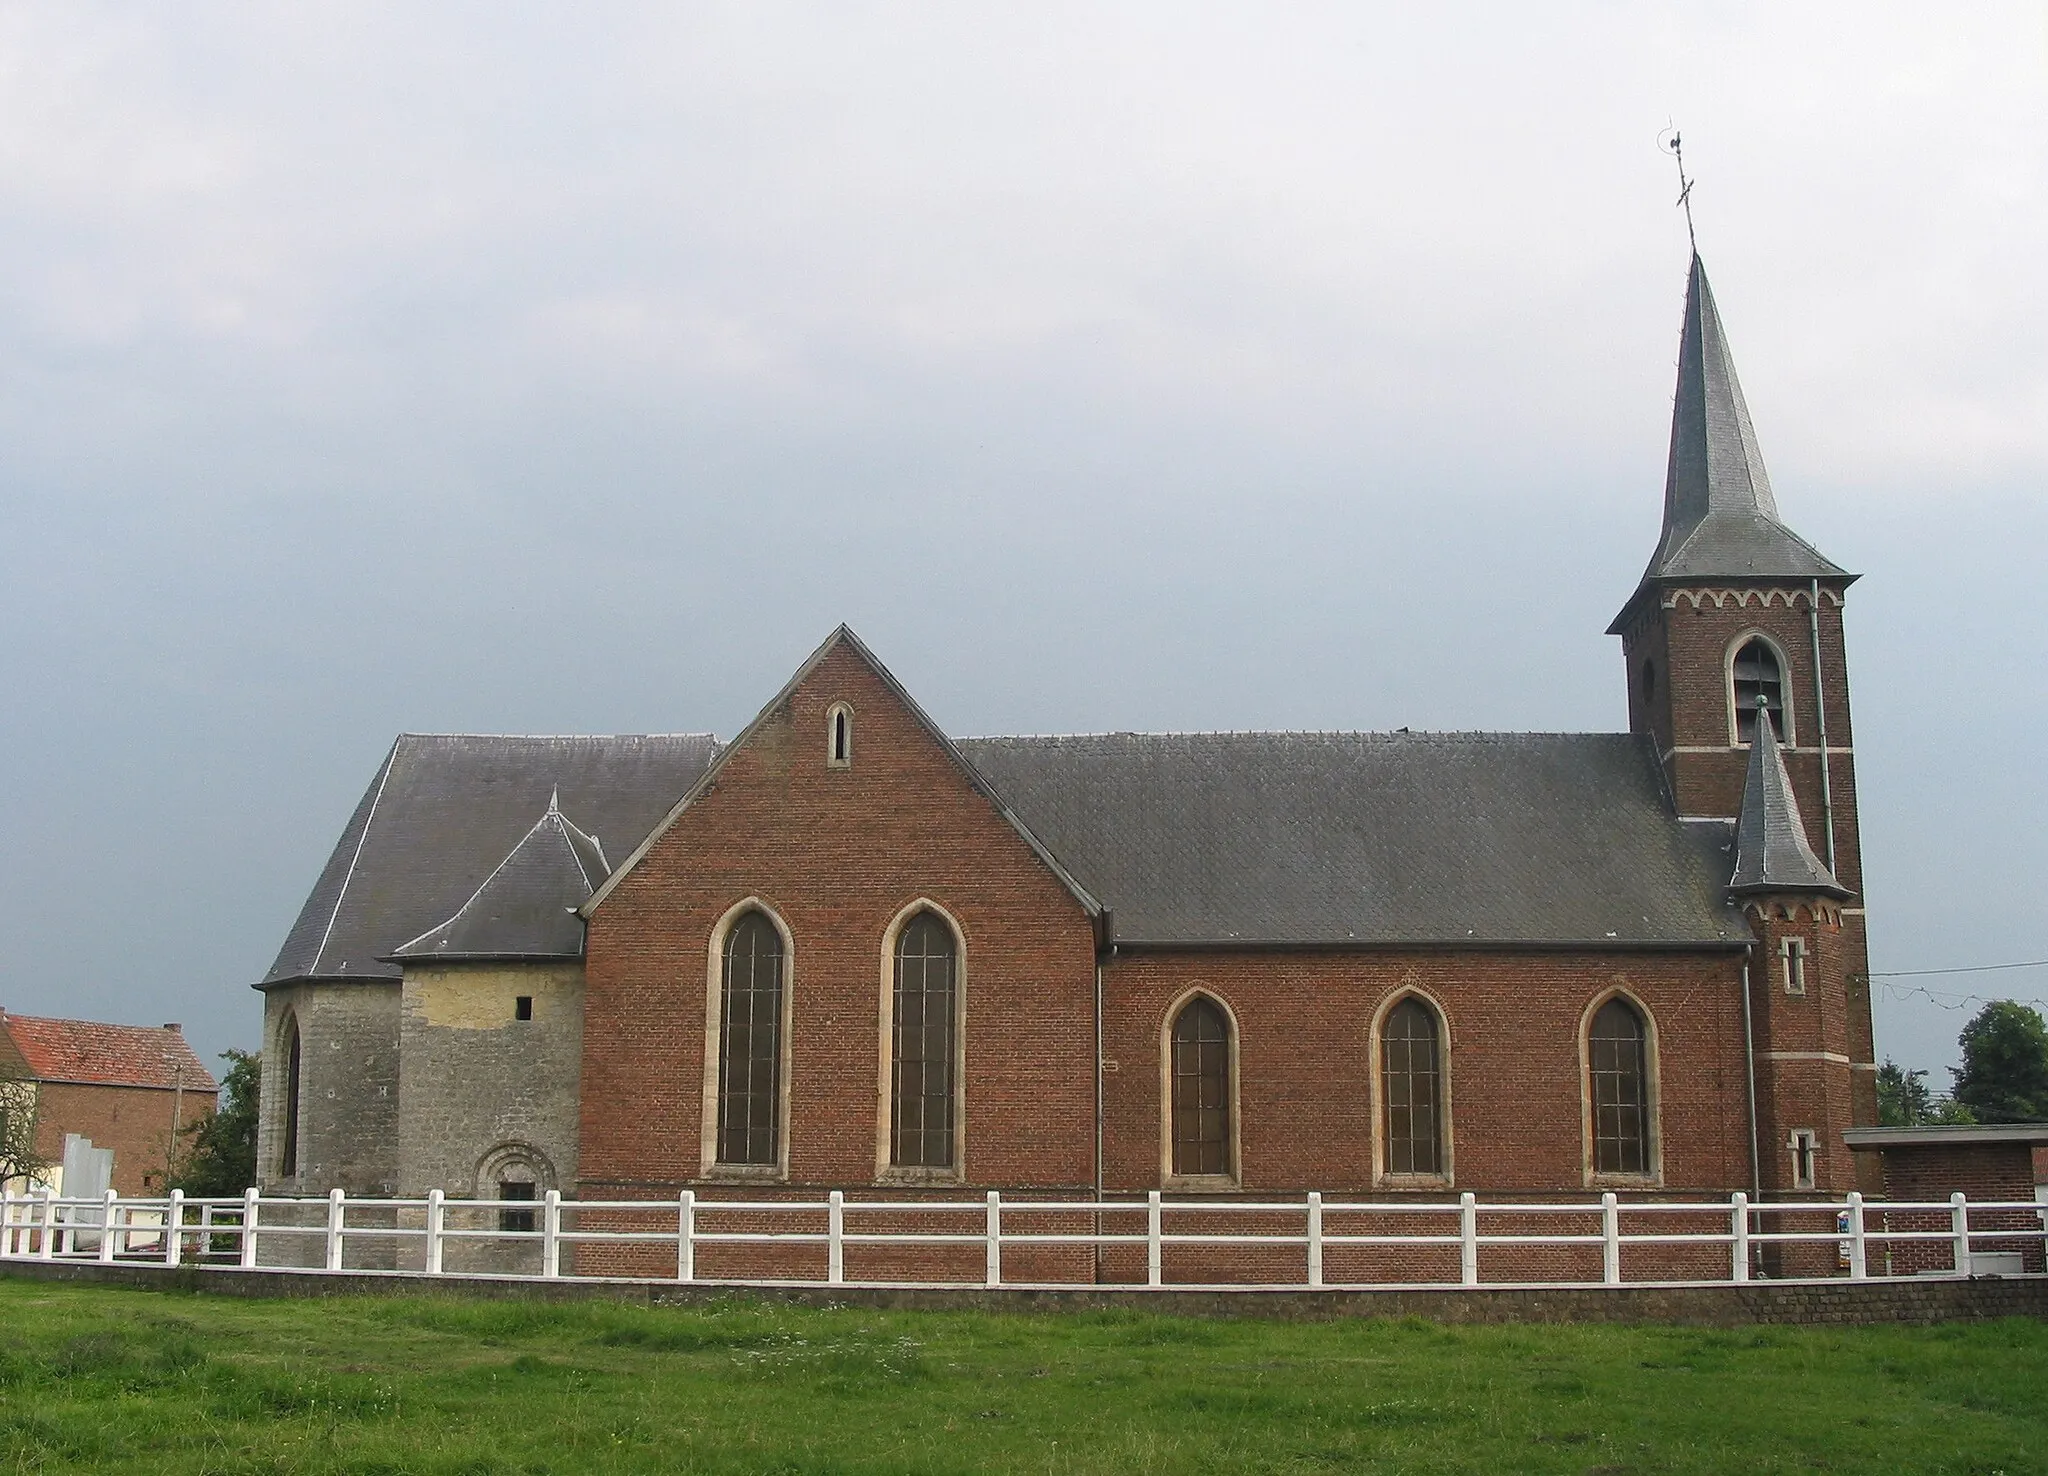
{"x":1720,"y":518}
{"x":1771,"y":850}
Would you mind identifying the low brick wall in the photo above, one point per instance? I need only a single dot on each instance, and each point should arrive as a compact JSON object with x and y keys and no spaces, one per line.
{"x":1830,"y":1303}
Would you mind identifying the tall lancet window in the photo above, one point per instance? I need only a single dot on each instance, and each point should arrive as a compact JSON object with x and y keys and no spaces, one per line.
{"x":1411,"y":1080}
{"x":922,"y":1045}
{"x":750,"y":1043}
{"x":1619,"y":1057}
{"x":1201,"y":1089}
{"x":288,"y":1159}
{"x":1757,"y":674}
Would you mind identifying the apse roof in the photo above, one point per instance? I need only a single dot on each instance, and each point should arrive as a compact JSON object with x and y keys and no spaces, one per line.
{"x":1372,"y":838}
{"x":441,"y":814}
{"x":526,"y":908}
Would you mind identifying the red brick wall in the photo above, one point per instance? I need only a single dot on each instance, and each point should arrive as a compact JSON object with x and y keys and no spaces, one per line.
{"x":133,"y":1121}
{"x":838,"y":853}
{"x":1983,"y":1172}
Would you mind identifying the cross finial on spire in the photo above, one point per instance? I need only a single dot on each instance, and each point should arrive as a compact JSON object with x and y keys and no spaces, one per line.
{"x":1672,"y":144}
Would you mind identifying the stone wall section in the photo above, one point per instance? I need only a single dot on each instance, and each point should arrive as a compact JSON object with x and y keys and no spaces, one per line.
{"x":348,"y":1087}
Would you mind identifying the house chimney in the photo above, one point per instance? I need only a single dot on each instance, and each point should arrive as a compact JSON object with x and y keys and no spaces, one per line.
{"x":174,"y":1027}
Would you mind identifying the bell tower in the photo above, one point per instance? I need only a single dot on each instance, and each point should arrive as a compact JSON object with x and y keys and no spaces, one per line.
{"x":1734,"y":629}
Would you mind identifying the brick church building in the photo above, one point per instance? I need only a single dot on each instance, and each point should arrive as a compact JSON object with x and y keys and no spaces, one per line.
{"x":844,"y":950}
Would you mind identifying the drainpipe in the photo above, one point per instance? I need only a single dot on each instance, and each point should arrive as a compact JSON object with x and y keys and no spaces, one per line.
{"x":1820,"y":713}
{"x":1756,"y":1175}
{"x":1105,"y":946}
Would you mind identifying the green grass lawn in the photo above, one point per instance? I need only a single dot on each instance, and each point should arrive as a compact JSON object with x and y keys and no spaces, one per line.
{"x":105,"y":1380}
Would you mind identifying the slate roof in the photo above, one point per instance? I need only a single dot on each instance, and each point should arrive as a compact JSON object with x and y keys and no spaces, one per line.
{"x":107,"y":1055}
{"x":445,"y":809}
{"x":1720,"y":516}
{"x":525,"y":909}
{"x":1772,"y":853}
{"x":1364,"y":838}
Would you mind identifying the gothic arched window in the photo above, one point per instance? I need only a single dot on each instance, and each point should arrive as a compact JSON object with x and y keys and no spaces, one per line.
{"x":922,"y":1043}
{"x":288,"y":1158}
{"x":1618,"y":1060}
{"x":1201,"y":1088}
{"x":1757,"y":673}
{"x":750,"y":1043}
{"x":1411,"y":1086}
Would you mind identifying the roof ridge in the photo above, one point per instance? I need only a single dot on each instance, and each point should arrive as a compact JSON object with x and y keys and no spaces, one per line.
{"x":1389,"y":733}
{"x":557,"y":737}
{"x":348,"y":877}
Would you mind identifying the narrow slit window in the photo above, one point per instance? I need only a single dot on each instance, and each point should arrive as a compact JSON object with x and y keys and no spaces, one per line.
{"x":288,"y":1162}
{"x":922,"y":1044}
{"x":1201,"y":1089}
{"x":522,"y":1007}
{"x":1758,"y":675}
{"x":839,"y":736}
{"x":1805,"y":1147}
{"x":1795,"y":965}
{"x":1621,"y":1114}
{"x":1411,"y":1084}
{"x":750,"y":1044}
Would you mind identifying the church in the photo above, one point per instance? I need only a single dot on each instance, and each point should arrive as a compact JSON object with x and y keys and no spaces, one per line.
{"x":843,"y":950}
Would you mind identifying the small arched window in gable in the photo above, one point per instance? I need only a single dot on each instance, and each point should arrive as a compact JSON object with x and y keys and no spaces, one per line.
{"x":1758,"y":675}
{"x":750,"y":1043}
{"x":1411,"y":1081}
{"x":288,"y":1158}
{"x":1201,"y":1089}
{"x":1618,"y":1055}
{"x":839,"y":736}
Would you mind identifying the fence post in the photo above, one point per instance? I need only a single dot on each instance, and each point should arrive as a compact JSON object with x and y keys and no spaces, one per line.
{"x":686,"y":1236}
{"x":1610,"y":1239}
{"x":994,"y":1272}
{"x":835,"y":1238}
{"x":334,"y":1229}
{"x":551,"y":1235}
{"x":6,"y":1222}
{"x":108,"y":1211}
{"x":49,"y":1246}
{"x":1738,"y":1245}
{"x":250,"y":1200}
{"x":1315,"y":1238}
{"x":1153,"y":1269}
{"x":1859,"y":1256}
{"x":437,"y":1210}
{"x":174,"y":1227}
{"x":1468,"y":1238}
{"x":1959,"y":1225}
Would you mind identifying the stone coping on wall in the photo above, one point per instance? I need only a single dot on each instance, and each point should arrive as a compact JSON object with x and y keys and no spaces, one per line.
{"x":1836,"y":1302}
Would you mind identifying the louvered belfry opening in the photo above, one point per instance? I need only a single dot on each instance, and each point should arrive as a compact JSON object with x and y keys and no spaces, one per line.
{"x":1412,"y":1088}
{"x":1621,"y":1117}
{"x":750,"y":1043}
{"x":922,"y":1044}
{"x":1757,"y":675}
{"x":1201,"y":1089}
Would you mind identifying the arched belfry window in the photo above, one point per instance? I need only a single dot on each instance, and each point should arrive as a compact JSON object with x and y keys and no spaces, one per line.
{"x":922,"y":1044}
{"x":288,"y":1157}
{"x":1757,"y":673}
{"x":1200,"y":1069}
{"x":1411,"y":1088}
{"x":839,"y":736}
{"x":1618,"y":1061}
{"x":750,"y":1042}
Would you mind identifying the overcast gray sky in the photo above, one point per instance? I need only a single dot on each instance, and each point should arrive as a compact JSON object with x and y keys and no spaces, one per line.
{"x":372,"y":368}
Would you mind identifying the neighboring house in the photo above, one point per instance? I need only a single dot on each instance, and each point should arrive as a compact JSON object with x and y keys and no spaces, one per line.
{"x":845,"y":950}
{"x":128,"y":1088}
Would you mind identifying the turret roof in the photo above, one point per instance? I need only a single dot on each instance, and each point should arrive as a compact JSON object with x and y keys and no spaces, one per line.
{"x":1771,"y":849}
{"x":527,"y":907}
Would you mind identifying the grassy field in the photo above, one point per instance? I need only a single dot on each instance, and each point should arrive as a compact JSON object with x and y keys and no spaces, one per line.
{"x":105,"y":1380}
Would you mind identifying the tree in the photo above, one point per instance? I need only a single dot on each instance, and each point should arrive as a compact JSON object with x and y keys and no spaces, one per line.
{"x":18,"y":1156}
{"x":1904,"y":1101}
{"x":221,"y":1160}
{"x":2004,"y":1075}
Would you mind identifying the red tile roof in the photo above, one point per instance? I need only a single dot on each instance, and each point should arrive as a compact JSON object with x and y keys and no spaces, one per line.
{"x":117,"y":1055}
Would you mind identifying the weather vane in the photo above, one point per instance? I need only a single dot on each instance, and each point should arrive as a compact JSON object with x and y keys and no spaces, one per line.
{"x":1672,"y":144}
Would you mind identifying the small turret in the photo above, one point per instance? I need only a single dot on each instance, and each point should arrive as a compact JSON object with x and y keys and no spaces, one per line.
{"x":1772,"y":853}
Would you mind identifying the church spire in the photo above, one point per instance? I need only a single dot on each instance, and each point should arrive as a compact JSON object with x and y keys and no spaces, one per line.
{"x":1771,"y":850}
{"x":1720,"y":517}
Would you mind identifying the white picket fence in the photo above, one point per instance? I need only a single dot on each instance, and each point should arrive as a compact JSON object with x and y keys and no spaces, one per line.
{"x":415,"y":1236}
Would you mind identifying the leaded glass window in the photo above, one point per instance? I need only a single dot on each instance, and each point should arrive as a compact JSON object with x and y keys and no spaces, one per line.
{"x":922,"y":1045}
{"x":750,"y":1043}
{"x":1412,"y":1089}
{"x":1201,"y":1089}
{"x":1757,"y":675}
{"x":1621,"y":1112}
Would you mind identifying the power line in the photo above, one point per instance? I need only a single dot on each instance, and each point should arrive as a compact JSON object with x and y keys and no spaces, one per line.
{"x":2032,"y":963}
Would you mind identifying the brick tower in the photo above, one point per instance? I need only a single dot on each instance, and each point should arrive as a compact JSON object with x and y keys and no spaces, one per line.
{"x":1736,"y":670}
